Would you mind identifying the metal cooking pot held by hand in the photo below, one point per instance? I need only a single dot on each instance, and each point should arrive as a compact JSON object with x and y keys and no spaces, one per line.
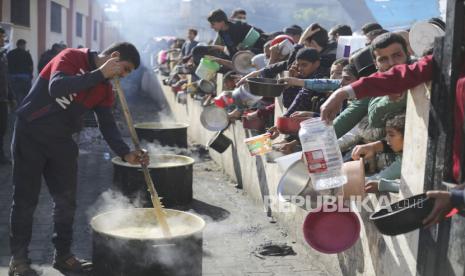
{"x":214,"y":118}
{"x":265,"y":87}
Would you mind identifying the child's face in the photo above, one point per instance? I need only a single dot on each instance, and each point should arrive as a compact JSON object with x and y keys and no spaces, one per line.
{"x":306,"y":68}
{"x":395,"y":139}
{"x":336,"y":72}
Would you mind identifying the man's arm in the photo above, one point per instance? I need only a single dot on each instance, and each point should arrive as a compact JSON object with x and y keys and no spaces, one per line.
{"x":110,"y":131}
{"x":62,"y":84}
{"x":396,"y":80}
{"x":351,"y":116}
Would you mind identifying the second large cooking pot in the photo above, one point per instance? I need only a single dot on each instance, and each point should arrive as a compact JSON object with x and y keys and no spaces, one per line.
{"x":171,"y":174}
{"x":167,"y":134}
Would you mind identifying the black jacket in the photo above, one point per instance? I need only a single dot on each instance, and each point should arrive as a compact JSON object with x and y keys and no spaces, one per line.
{"x":236,"y":33}
{"x":20,"y":62}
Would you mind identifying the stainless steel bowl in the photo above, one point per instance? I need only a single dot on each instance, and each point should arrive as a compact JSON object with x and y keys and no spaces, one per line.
{"x":214,"y":118}
{"x":295,"y":182}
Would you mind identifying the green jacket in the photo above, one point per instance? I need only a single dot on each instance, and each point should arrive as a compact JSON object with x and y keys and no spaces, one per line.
{"x":378,"y":110}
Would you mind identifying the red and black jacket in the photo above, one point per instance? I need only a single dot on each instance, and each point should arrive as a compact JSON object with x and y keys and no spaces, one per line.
{"x":68,"y":86}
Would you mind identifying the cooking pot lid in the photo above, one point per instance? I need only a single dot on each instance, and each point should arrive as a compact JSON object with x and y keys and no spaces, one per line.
{"x":242,"y":62}
{"x":159,"y":161}
{"x":141,"y":224}
{"x":214,"y":118}
{"x":422,"y":35}
{"x":331,"y":232}
{"x":159,"y":125}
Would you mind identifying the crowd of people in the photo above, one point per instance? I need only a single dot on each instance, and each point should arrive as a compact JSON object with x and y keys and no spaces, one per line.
{"x":363,"y":94}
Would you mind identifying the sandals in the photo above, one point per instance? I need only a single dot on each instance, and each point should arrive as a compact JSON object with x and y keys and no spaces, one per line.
{"x":71,"y":264}
{"x":21,"y":268}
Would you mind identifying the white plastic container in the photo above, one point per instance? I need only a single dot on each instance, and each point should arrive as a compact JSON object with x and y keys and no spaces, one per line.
{"x":346,"y":45}
{"x":322,"y":154}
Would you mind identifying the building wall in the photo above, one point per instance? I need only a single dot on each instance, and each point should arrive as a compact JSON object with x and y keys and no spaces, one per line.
{"x":54,"y":37}
{"x":27,"y":33}
{"x":31,"y":33}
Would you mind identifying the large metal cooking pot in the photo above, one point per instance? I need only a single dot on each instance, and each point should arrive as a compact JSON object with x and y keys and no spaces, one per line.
{"x":124,"y":245}
{"x":167,"y":134}
{"x":265,"y":87}
{"x":171,"y":174}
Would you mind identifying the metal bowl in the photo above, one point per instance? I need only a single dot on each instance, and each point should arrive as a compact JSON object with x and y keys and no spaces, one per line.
{"x":295,"y":182}
{"x":214,"y":118}
{"x":403,"y":216}
{"x":242,"y":62}
{"x":207,"y":86}
{"x":265,"y":87}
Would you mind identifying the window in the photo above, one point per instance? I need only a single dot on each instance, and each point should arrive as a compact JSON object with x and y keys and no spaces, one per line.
{"x":55,"y":20}
{"x":20,"y":14}
{"x":78,"y":24}
{"x":95,"y":30}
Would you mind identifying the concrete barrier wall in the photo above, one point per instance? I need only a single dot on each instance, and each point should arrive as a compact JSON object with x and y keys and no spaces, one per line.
{"x":373,"y":254}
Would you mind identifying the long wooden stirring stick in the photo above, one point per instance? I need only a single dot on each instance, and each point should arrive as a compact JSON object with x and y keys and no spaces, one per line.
{"x":159,"y":214}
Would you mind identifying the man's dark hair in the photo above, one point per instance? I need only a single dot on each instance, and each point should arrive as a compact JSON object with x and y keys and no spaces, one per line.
{"x":2,"y":31}
{"x":238,"y":11}
{"x":341,"y":30}
{"x":20,"y":42}
{"x":217,"y":16}
{"x":396,"y":122}
{"x":370,"y":27}
{"x":56,"y":46}
{"x":194,"y":31}
{"x":320,"y":37}
{"x":341,"y":61}
{"x":127,"y":52}
{"x":384,"y":40}
{"x":293,"y":30}
{"x":308,"y":54}
{"x":375,"y":33}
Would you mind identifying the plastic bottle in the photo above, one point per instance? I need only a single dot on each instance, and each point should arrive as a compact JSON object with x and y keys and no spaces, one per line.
{"x":322,"y":154}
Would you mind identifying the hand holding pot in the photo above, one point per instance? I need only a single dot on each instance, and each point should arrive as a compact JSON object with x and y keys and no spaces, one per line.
{"x":288,"y":148}
{"x":442,"y":205}
{"x":244,"y":79}
{"x":372,"y":187}
{"x":137,"y":157}
{"x":367,"y":151}
{"x":293,"y":81}
{"x":274,"y":132}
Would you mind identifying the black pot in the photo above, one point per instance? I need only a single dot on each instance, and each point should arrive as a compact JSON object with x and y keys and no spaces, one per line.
{"x":363,"y":61}
{"x":171,"y":175}
{"x":403,"y":216}
{"x":265,"y":87}
{"x":115,"y":254}
{"x":167,"y":134}
{"x":219,"y":142}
